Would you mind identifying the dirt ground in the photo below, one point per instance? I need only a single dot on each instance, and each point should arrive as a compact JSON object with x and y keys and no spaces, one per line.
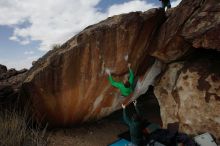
{"x":104,"y":131}
{"x":101,"y":133}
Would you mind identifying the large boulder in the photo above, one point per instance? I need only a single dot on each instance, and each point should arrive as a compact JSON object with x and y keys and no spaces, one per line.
{"x":191,"y":24}
{"x":189,"y":93}
{"x":69,"y":85}
{"x":203,"y":27}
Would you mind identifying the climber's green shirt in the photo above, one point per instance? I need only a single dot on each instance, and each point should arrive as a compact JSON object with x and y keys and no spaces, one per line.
{"x":124,"y":91}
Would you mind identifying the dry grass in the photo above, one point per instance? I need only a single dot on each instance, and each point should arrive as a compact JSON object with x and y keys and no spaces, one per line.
{"x":56,"y":46}
{"x":15,"y":132}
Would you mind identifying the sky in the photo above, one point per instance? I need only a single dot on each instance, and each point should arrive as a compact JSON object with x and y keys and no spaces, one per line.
{"x":29,"y":28}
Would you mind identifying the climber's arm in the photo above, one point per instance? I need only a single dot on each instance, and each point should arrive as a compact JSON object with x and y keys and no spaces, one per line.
{"x":131,"y":76}
{"x":114,"y":83}
{"x":136,"y":108}
{"x":125,"y":115}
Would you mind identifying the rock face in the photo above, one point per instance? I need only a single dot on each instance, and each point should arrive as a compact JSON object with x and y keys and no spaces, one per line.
{"x":192,"y":24}
{"x":189,"y":93}
{"x":10,"y":84}
{"x":69,"y":85}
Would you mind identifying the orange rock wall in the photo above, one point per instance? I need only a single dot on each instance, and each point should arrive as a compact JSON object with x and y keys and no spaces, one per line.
{"x":69,"y":85}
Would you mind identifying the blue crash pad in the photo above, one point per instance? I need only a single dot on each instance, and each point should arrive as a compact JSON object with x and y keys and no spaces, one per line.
{"x":120,"y":142}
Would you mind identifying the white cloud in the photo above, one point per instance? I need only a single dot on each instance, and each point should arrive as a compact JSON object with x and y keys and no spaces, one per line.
{"x":135,"y":5}
{"x":55,"y":21}
{"x":51,"y":21}
{"x":19,"y":63}
{"x":29,"y":52}
{"x":11,"y":12}
{"x":175,"y":3}
{"x":14,"y":38}
{"x":25,"y":42}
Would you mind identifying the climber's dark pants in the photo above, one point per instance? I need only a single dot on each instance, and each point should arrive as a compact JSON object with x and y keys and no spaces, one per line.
{"x":166,"y":4}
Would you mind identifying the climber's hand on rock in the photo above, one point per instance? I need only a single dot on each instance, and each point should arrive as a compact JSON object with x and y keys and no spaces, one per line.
{"x":108,"y":71}
{"x":126,"y":57}
{"x":129,"y":65}
{"x":123,"y":106}
{"x":135,"y":102}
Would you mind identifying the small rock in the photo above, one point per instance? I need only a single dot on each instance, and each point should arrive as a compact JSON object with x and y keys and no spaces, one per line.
{"x":3,"y":69}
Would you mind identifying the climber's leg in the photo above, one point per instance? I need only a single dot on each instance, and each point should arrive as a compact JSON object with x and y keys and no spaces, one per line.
{"x":168,"y":5}
{"x":163,"y":5}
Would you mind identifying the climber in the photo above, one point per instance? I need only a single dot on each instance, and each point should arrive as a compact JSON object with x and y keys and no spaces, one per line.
{"x":127,"y":86}
{"x":135,"y":125}
{"x":165,"y":3}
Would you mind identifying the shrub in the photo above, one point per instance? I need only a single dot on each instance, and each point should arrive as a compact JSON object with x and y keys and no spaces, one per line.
{"x":56,"y":46}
